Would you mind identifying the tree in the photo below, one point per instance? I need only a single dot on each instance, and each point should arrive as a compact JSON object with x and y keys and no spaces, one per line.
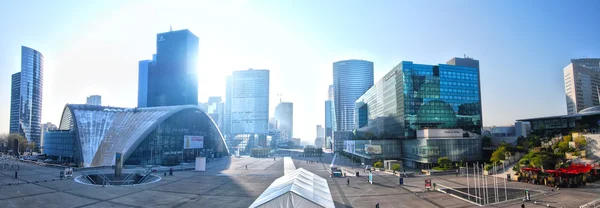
{"x":444,"y":162}
{"x":16,"y":142}
{"x":22,"y":145}
{"x":378,"y":164}
{"x":31,"y":146}
{"x":498,"y":155}
{"x":567,"y":138}
{"x":581,"y":142}
{"x":396,"y":167}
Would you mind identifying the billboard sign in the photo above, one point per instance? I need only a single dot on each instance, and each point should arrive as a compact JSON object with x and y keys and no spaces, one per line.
{"x":349,"y":146}
{"x":373,"y":149}
{"x":193,"y":142}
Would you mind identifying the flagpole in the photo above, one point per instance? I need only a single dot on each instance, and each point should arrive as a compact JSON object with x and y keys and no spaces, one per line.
{"x":476,"y":179}
{"x":485,"y":193}
{"x":505,"y":193}
{"x":495,"y":183}
{"x":468,"y":190}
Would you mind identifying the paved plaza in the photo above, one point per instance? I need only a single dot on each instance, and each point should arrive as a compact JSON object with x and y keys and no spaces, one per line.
{"x":227,"y":183}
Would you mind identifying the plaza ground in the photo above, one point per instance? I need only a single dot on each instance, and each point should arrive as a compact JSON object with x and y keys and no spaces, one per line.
{"x":227,"y":183}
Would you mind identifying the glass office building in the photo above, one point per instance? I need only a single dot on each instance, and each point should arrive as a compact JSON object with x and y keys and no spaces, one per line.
{"x":26,"y":96}
{"x":413,"y":97}
{"x":351,"y":78}
{"x":60,"y":145}
{"x":145,"y":136}
{"x":249,"y":102}
{"x":171,"y":78}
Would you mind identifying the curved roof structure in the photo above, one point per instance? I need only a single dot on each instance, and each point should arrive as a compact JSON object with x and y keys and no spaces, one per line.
{"x":590,"y":110}
{"x":103,"y":131}
{"x":300,"y":188}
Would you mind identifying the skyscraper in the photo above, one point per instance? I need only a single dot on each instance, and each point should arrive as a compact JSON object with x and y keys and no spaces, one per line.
{"x":173,"y":77}
{"x":143,"y":68}
{"x":215,"y":109}
{"x":284,"y":114}
{"x":320,"y":131}
{"x":582,"y":77}
{"x":329,"y":113}
{"x":228,"y":100}
{"x":15,"y":103}
{"x":94,"y":100}
{"x":351,"y":78}
{"x":250,"y":102}
{"x":26,"y":96}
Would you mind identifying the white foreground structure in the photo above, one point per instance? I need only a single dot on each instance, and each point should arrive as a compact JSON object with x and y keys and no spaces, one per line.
{"x":300,"y":188}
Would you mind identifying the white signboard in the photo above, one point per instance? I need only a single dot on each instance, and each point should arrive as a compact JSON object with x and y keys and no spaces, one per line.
{"x":193,"y":142}
{"x":373,"y":149}
{"x":440,"y":133}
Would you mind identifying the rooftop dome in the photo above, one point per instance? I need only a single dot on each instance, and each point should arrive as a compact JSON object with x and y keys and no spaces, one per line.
{"x":590,"y":110}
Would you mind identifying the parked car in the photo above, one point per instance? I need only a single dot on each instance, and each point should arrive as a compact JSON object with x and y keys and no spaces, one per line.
{"x":48,"y":160}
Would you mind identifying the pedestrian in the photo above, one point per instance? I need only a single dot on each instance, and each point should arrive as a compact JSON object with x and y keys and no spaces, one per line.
{"x":522,"y":205}
{"x":246,"y":167}
{"x":348,"y":181}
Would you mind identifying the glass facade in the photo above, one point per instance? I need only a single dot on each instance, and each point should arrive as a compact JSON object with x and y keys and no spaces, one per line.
{"x":414,"y":96}
{"x":284,"y":114}
{"x":250,"y":102}
{"x":143,"y":68}
{"x":29,"y":100}
{"x":351,"y":79}
{"x":60,"y":145}
{"x":417,"y":153}
{"x":15,"y":99}
{"x":374,"y":150}
{"x":329,"y":118}
{"x":173,"y":79}
{"x":164,"y":146}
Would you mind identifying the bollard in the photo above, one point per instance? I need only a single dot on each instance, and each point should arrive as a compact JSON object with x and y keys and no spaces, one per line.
{"x":16,"y":175}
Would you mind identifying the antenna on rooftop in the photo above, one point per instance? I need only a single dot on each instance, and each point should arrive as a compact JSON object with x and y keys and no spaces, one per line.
{"x":170,"y":28}
{"x":279,"y":95}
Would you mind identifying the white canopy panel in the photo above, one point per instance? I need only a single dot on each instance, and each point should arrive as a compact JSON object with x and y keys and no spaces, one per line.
{"x":299,"y":188}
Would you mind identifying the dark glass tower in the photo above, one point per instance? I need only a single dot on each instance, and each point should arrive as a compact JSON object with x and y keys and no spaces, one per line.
{"x":173,"y":78}
{"x":26,"y":96}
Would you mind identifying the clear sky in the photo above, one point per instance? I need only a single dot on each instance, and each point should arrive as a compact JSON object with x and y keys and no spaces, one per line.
{"x":93,"y":47}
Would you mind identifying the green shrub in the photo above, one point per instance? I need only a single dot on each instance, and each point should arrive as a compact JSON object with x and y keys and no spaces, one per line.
{"x":488,"y":167}
{"x":396,"y":167}
{"x":378,"y":164}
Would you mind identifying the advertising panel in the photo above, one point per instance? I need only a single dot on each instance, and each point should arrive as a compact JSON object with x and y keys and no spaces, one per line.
{"x":427,"y":151}
{"x":193,"y":142}
{"x":349,"y":146}
{"x":373,"y":149}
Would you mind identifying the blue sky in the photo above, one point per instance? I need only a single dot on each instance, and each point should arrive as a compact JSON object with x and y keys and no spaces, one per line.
{"x":92,"y":47}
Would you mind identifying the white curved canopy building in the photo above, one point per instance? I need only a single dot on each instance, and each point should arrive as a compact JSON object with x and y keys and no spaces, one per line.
{"x":148,"y":136}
